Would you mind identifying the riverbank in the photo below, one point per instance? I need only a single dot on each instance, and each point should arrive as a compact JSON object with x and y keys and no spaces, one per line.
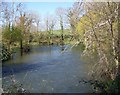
{"x":43,"y":40}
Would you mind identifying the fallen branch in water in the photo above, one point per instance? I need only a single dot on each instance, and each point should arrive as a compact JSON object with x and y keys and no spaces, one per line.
{"x":67,"y":49}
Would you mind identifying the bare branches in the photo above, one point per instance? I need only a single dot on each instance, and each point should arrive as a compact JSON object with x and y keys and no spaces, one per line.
{"x":100,"y":37}
{"x":74,"y":14}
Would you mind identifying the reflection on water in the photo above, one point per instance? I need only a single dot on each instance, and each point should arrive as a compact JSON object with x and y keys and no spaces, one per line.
{"x":46,"y":69}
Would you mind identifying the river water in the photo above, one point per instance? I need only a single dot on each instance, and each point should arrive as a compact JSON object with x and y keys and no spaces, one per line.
{"x":48,"y":69}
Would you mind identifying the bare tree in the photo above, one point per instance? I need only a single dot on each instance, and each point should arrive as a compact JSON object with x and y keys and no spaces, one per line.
{"x":99,"y":35}
{"x":61,"y":16}
{"x":24,"y":22}
{"x":50,"y":24}
{"x":74,"y":13}
{"x":5,"y":13}
{"x":37,"y":21}
{"x":9,"y":15}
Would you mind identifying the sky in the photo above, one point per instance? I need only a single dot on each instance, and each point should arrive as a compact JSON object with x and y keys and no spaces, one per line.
{"x":46,"y":7}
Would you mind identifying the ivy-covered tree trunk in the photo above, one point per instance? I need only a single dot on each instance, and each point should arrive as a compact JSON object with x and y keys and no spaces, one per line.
{"x":22,"y":27}
{"x":49,"y":37}
{"x":118,"y":73}
{"x":61,"y":25}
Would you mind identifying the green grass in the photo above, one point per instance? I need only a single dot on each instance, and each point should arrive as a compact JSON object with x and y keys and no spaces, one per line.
{"x":58,"y":32}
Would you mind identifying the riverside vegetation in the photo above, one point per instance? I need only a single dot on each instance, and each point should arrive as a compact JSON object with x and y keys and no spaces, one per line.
{"x":93,"y":25}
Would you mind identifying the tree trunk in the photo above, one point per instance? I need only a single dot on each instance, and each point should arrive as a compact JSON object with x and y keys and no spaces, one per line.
{"x":49,"y":36}
{"x":61,"y":25}
{"x":21,"y":47}
{"x":118,"y":47}
{"x":62,"y":36}
{"x":119,"y":37}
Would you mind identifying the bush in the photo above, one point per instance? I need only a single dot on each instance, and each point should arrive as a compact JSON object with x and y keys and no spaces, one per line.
{"x":5,"y":54}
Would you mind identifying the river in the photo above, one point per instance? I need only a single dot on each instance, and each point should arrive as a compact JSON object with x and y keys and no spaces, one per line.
{"x":48,"y":69}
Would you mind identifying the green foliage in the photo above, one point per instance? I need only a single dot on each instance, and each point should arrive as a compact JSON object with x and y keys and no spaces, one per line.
{"x":16,"y":34}
{"x":12,"y":35}
{"x":6,"y":33}
{"x":98,"y":31}
{"x":109,"y":86}
{"x":4,"y":55}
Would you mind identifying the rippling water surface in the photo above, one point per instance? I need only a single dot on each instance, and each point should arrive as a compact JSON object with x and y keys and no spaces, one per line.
{"x":46,"y":69}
